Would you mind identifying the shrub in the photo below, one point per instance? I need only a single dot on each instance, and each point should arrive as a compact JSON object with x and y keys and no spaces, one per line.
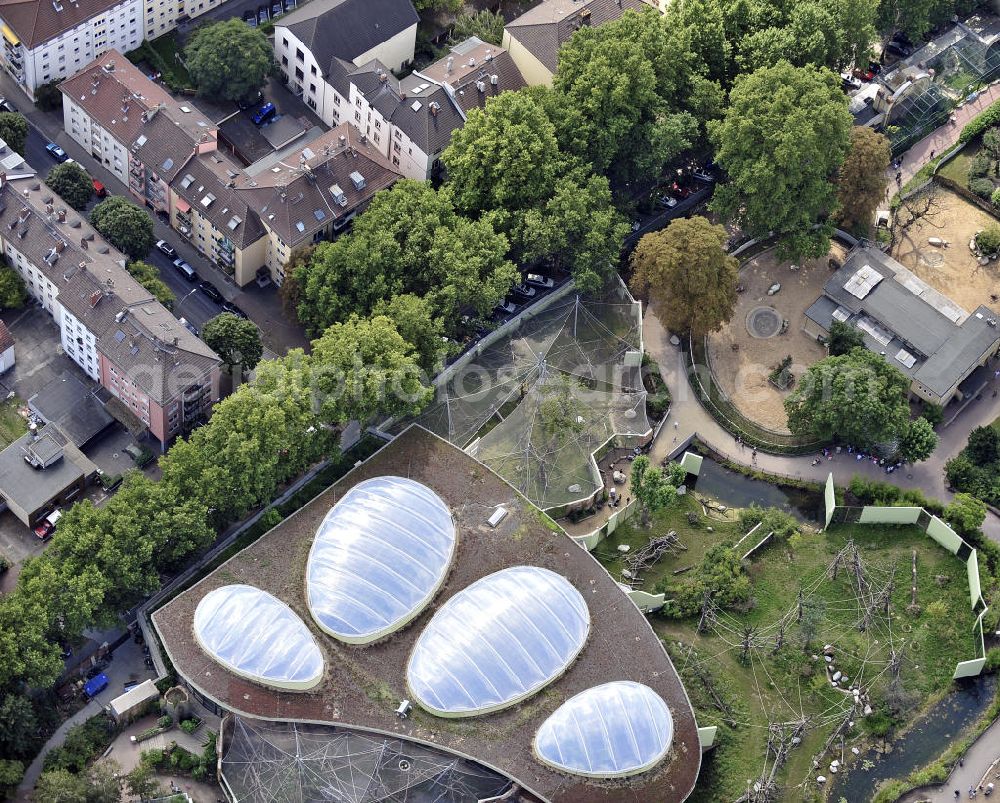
{"x":979,"y":166}
{"x":932,"y":413}
{"x":190,"y":725}
{"x":988,"y":240}
{"x":164,"y":722}
{"x":995,"y":197}
{"x":978,"y":124}
{"x":5,"y":564}
{"x":982,"y":187}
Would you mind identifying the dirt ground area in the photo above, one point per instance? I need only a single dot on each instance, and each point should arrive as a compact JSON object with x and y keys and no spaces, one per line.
{"x":952,"y":270}
{"x":742,"y":361}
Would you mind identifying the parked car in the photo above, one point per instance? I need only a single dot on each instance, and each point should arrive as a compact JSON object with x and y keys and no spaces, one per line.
{"x":211,"y":291}
{"x":505,"y":307}
{"x":250,"y":18}
{"x":702,"y":174}
{"x":682,"y":192}
{"x":263,"y":14}
{"x":229,"y":306}
{"x":7,"y":106}
{"x":164,"y":247}
{"x":56,"y":152}
{"x":523,"y":292}
{"x":899,"y":48}
{"x":264,"y":114}
{"x":190,"y":327}
{"x":99,"y":189}
{"x":47,"y":526}
{"x":667,"y":201}
{"x":848,"y":82}
{"x":539,"y":281}
{"x":139,"y":454}
{"x":289,"y":4}
{"x":186,"y":270}
{"x":276,"y":9}
{"x":96,"y":685}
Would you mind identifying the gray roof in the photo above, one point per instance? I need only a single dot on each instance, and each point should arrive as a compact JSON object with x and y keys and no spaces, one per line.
{"x":214,"y":174}
{"x":946,"y":343}
{"x":32,"y":488}
{"x":67,"y":402}
{"x":348,"y":29}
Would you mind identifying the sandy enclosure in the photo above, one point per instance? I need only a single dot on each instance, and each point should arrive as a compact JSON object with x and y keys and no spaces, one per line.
{"x":952,"y":269}
{"x":742,"y":361}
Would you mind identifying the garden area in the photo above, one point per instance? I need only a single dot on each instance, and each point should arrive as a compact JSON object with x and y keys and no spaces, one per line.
{"x":976,"y":469}
{"x":813,"y":637}
{"x":12,"y":422}
{"x":161,"y":58}
{"x":764,"y":331}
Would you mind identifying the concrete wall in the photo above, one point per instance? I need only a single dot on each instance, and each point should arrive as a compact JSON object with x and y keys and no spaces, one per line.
{"x":944,"y":535}
{"x":890,"y":515}
{"x":535,"y":73}
{"x":645,"y":601}
{"x":830,"y":497}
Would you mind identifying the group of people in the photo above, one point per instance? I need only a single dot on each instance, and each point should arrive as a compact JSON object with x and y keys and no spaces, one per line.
{"x":974,"y":792}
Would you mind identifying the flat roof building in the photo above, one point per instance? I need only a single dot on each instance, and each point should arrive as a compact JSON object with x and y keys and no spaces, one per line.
{"x":340,"y":614}
{"x":917,"y":329}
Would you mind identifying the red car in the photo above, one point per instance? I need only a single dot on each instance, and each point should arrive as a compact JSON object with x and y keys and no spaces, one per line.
{"x":100,"y":189}
{"x":679,"y":191}
{"x":47,"y":526}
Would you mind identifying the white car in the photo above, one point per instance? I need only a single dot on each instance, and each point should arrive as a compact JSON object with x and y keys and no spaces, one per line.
{"x":164,"y":247}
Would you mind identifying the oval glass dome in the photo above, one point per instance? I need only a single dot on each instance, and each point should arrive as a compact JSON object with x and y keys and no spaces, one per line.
{"x":379,"y":557}
{"x":609,"y":731}
{"x":259,"y":637}
{"x":497,"y":642}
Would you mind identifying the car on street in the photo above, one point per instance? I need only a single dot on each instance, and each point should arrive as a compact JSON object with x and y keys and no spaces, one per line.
{"x":211,"y":291}
{"x":523,"y":292}
{"x":505,"y":307}
{"x":276,"y":9}
{"x":230,"y":307}
{"x":250,"y":18}
{"x":680,"y":191}
{"x":263,"y":14}
{"x":165,"y":248}
{"x":539,"y":281}
{"x":56,"y":152}
{"x":99,"y":189}
{"x":7,"y":106}
{"x":667,"y":201}
{"x":702,"y":174}
{"x":190,"y":327}
{"x":186,"y":270}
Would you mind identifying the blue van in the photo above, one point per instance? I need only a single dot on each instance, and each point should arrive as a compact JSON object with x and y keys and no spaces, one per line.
{"x":96,"y":685}
{"x":264,"y":113}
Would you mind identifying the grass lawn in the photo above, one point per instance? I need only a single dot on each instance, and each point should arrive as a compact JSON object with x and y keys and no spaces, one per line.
{"x":788,"y":685}
{"x":957,"y":168}
{"x":12,"y":425}
{"x":161,"y":54}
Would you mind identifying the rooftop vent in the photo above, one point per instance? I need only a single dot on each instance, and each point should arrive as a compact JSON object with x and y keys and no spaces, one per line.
{"x":435,"y":107}
{"x":494,"y":79}
{"x":403,"y":711}
{"x":481,"y":86}
{"x":357,"y":180}
{"x":338,"y":195}
{"x":208,"y":200}
{"x":498,"y":515}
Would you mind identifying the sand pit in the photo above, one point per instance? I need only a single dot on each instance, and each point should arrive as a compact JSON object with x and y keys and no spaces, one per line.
{"x":953,"y":269}
{"x":756,"y":332}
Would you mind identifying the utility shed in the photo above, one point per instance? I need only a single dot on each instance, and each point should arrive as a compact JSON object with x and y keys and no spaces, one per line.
{"x":127,"y":706}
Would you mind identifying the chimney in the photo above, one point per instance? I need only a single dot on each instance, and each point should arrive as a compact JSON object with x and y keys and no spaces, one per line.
{"x":94,"y":298}
{"x":480,"y":86}
{"x":342,"y":139}
{"x":435,"y":107}
{"x":61,"y":215}
{"x":60,"y":246}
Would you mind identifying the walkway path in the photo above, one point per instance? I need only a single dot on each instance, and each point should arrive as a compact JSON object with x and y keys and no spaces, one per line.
{"x":979,"y":766}
{"x":91,"y":709}
{"x":691,"y":418}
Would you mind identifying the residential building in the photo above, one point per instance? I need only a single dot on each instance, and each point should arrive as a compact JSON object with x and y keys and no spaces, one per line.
{"x":109,"y":325}
{"x":307,"y":40}
{"x":40,"y":471}
{"x":6,"y":349}
{"x":162,"y":16}
{"x":533,"y":39}
{"x":942,"y":348}
{"x":47,"y":40}
{"x":411,"y":121}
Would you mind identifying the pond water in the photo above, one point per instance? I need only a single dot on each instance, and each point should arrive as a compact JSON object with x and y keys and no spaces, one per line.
{"x":921,"y":744}
{"x":737,"y":490}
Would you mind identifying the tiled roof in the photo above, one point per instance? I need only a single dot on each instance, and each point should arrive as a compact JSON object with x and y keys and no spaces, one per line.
{"x":298,"y":198}
{"x":347,"y":29}
{"x":214,"y":176}
{"x":155,"y":348}
{"x":163,"y":146}
{"x":545,"y":28}
{"x":476,"y":71}
{"x":37,"y":21}
{"x":6,"y":339}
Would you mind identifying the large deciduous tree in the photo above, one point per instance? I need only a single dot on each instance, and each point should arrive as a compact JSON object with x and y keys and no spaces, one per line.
{"x":857,"y":397}
{"x":71,"y":183}
{"x":409,"y":240}
{"x":149,"y":277}
{"x":14,"y":131}
{"x":863,"y":178}
{"x":13,"y":292}
{"x":235,"y":339}
{"x":363,"y":368}
{"x":965,"y":514}
{"x":417,"y":324}
{"x":687,"y":274}
{"x":126,"y":226}
{"x":843,"y":338}
{"x":228,"y":60}
{"x":782,"y":142}
{"x":919,"y":441}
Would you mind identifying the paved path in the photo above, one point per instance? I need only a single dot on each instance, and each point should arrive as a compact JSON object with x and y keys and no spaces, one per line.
{"x":979,"y":767}
{"x":93,"y":708}
{"x":691,"y":418}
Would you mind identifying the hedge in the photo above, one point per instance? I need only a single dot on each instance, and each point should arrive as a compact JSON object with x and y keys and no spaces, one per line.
{"x":978,"y":124}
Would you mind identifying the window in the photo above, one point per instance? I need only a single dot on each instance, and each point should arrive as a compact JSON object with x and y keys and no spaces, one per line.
{"x":300,"y":55}
{"x":395,"y":147}
{"x":313,"y":69}
{"x":357,"y":116}
{"x":336,"y":100}
{"x":312,"y":88}
{"x":395,"y":161}
{"x":298,"y":73}
{"x":378,"y":123}
{"x":284,"y":41}
{"x":284,"y":60}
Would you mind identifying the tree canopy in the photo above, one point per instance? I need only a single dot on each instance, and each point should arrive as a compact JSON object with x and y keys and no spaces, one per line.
{"x":919,"y":441}
{"x":126,"y":226}
{"x":228,"y":59}
{"x":965,"y":514}
{"x":13,"y":293}
{"x":149,"y":277}
{"x":862,"y":180}
{"x":688,"y":275}
{"x":844,"y":337}
{"x":858,"y":397}
{"x":14,"y":131}
{"x":235,"y":339}
{"x":409,"y":240}
{"x":485,"y":24}
{"x":782,"y":142}
{"x":417,"y":324}
{"x":71,"y":183}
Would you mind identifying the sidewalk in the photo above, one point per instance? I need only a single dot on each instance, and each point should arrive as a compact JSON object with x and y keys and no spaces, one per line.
{"x":692,"y":419}
{"x":979,"y":766}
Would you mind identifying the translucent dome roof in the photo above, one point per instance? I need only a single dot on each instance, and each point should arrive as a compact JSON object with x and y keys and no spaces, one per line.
{"x":379,"y":557}
{"x":259,"y":637}
{"x":615,"y":729}
{"x":497,"y":642}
